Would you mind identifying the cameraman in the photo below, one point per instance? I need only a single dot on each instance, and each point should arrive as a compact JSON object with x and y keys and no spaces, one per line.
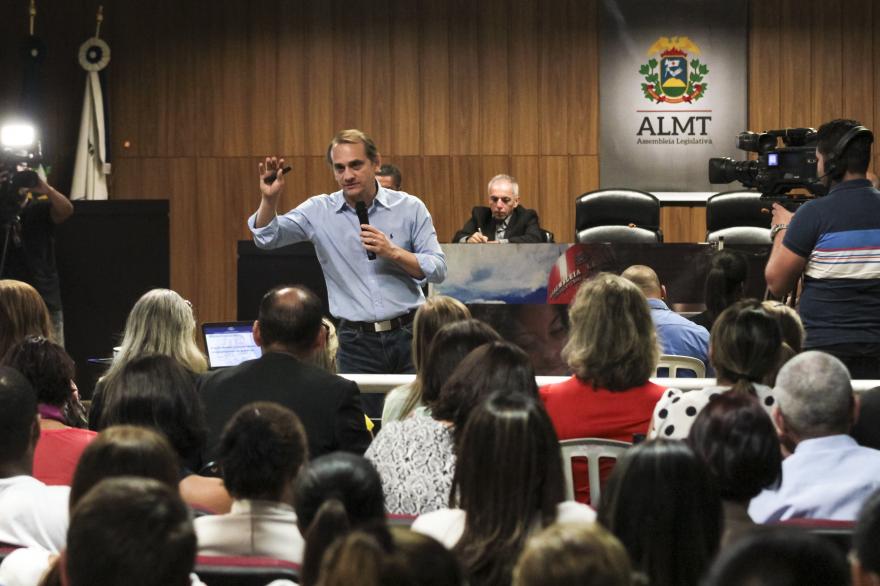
{"x":834,"y":241}
{"x":28,"y":238}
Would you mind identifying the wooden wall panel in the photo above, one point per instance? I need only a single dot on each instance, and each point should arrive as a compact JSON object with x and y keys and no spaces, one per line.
{"x":494,"y":89}
{"x":583,"y":75}
{"x":434,"y":78}
{"x":454,"y":91}
{"x":524,"y":81}
{"x":405,"y":120}
{"x":683,"y":224}
{"x":764,"y":70}
{"x":793,"y":98}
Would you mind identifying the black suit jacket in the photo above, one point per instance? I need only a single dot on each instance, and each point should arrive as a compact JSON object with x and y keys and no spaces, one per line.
{"x":523,"y":226}
{"x":329,"y":406}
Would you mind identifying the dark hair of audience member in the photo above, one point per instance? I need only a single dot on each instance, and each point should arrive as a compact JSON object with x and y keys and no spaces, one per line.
{"x":745,"y":345}
{"x":662,"y":504}
{"x":378,"y":556}
{"x":508,"y":476}
{"x":866,"y":539}
{"x":451,"y":344}
{"x":866,"y":430}
{"x":134,"y":531}
{"x":22,"y":313}
{"x":124,"y":450}
{"x":332,"y":495}
{"x":261,"y":450}
{"x":734,"y":435}
{"x":18,"y":417}
{"x":573,"y":553}
{"x":290,"y":316}
{"x":157,"y":392}
{"x":779,"y":556}
{"x":486,"y":369}
{"x":725,"y":281}
{"x":612,"y":342}
{"x":50,"y":370}
{"x":433,"y":314}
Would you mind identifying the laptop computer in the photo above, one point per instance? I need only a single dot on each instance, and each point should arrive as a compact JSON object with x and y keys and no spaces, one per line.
{"x":229,"y":343}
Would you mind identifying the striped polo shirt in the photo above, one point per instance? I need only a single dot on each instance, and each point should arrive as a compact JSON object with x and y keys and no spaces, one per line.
{"x":839,"y":236}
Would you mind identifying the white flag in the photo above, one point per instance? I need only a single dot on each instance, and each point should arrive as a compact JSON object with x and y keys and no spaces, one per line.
{"x":91,"y":169}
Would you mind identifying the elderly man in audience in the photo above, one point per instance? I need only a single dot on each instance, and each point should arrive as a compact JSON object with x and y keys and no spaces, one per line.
{"x":31,"y":513}
{"x":677,"y":335}
{"x":829,"y":475}
{"x":288,"y":330}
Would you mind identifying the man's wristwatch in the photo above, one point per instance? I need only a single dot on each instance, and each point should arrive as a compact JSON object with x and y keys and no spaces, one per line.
{"x":776,"y":229}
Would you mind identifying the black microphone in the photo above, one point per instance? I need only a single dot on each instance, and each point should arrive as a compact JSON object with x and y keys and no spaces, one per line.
{"x":271,"y":177}
{"x":361,"y":210}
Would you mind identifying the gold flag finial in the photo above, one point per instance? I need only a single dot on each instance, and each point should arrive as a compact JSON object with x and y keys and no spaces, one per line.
{"x":100,"y":19}
{"x":32,"y":11}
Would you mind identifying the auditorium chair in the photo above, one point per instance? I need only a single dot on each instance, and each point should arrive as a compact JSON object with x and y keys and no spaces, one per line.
{"x":671,"y":364}
{"x":617,"y":215}
{"x":740,"y":217}
{"x":593,"y":449}
{"x":244,"y":571}
{"x":836,"y":532}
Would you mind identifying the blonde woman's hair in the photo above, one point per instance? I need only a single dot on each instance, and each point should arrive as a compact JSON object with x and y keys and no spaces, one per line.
{"x":23,"y":313}
{"x":573,"y":553}
{"x":612,"y":343}
{"x":161,"y":322}
{"x":435,"y":313}
{"x":325,"y":357}
{"x":789,"y":322}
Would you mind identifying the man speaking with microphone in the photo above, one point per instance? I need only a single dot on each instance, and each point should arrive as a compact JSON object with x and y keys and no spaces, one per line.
{"x":377,"y":248}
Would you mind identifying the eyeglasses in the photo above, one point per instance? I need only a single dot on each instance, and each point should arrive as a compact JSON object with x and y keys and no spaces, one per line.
{"x":495,"y":198}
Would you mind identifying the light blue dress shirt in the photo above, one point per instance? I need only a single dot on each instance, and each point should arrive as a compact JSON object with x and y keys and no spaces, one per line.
{"x":360,"y":289}
{"x":679,"y":335}
{"x":826,"y":478}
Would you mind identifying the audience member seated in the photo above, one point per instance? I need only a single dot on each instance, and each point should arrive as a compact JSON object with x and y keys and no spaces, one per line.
{"x":123,"y":450}
{"x":432,"y":315}
{"x":133,"y":531}
{"x":612,"y":349}
{"x":793,"y":335}
{"x":828,"y":475}
{"x":378,"y":556}
{"x":864,"y":558}
{"x":289,"y":332}
{"x":677,"y":335}
{"x":866,"y":430}
{"x":161,"y":322}
{"x":565,"y":554}
{"x":157,"y":392}
{"x":23,"y":313}
{"x":31,"y":513}
{"x":736,"y":438}
{"x":50,"y":371}
{"x":504,"y":220}
{"x":745,"y":346}
{"x":334,"y":494}
{"x":389,"y":177}
{"x":416,"y":457}
{"x":508,"y":483}
{"x":779,"y":556}
{"x":662,"y":504}
{"x":261,"y":451}
{"x":725,"y":285}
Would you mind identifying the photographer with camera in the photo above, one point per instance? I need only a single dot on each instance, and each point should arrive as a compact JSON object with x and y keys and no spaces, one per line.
{"x":834,"y":242}
{"x":29,"y":210}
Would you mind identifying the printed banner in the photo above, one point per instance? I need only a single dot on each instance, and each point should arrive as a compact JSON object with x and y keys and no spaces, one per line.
{"x":673,"y":91}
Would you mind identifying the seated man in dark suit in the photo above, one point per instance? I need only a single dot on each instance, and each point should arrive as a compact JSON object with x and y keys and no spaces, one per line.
{"x":504,"y":220}
{"x":289,"y":331}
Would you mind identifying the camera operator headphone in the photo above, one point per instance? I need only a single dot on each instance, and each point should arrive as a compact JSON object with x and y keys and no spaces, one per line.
{"x":833,"y":165}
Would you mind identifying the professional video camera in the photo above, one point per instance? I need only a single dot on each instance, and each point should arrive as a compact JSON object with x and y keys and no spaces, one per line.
{"x":777,"y":170}
{"x":19,"y":151}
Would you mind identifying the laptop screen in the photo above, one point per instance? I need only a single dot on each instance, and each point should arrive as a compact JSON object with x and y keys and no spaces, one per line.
{"x":229,"y":343}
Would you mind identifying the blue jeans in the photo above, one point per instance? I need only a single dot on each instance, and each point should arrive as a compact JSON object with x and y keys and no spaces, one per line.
{"x":374,"y":353}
